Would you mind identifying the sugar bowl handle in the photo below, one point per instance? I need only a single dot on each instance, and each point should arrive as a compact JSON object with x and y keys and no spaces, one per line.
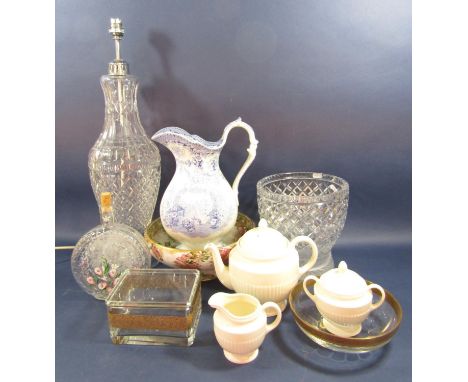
{"x":382,"y":295}
{"x":306,"y":290}
{"x":313,"y":249}
{"x":271,"y":305}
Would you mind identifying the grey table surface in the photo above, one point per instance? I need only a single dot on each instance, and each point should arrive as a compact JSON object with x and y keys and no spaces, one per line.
{"x":84,"y":351}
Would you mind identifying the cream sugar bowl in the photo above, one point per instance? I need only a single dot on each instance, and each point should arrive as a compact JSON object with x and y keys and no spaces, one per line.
{"x":264,"y":264}
{"x":344,"y":299}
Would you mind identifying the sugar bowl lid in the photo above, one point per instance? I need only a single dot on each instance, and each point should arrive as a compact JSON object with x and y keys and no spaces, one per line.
{"x":343,"y":283}
{"x":263,"y":243}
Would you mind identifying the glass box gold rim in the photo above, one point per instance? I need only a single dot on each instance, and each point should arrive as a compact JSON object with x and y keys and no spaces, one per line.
{"x":148,"y":304}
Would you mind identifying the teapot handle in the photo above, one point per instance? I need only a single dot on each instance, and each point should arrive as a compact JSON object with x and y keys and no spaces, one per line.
{"x":313,"y":248}
{"x":382,"y":295}
{"x":252,"y":150}
{"x":276,"y":308}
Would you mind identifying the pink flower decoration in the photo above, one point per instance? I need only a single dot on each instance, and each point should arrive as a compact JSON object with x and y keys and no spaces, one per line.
{"x":109,"y":289}
{"x":112,"y":273}
{"x":156,"y":253}
{"x":225,"y":254}
{"x":90,"y":280}
{"x":98,"y":271}
{"x":102,"y":285}
{"x":187,"y":261}
{"x":114,"y":282}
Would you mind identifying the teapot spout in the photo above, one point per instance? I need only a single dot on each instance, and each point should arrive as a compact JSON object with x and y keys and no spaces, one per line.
{"x":222,"y":272}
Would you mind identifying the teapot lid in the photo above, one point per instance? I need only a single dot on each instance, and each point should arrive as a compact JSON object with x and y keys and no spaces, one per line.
{"x":343,"y":282}
{"x":263,"y":243}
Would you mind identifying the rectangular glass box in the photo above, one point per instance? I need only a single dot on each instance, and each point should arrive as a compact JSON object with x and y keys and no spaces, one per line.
{"x":155,"y":307}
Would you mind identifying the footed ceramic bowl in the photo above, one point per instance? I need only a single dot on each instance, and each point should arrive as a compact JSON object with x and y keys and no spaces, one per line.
{"x":165,"y":249}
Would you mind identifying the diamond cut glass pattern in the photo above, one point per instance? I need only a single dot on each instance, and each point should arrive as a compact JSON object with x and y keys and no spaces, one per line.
{"x":310,"y":204}
{"x":124,"y":160}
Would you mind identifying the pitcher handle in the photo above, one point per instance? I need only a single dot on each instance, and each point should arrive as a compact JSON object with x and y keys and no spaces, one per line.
{"x":276,"y":308}
{"x":313,"y":249}
{"x":252,"y":150}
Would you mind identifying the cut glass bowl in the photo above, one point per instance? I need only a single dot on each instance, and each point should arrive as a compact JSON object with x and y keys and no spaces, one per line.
{"x":306,"y":203}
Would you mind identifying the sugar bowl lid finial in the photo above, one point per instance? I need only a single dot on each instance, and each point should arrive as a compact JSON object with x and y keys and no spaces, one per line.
{"x":342,"y":282}
{"x":342,"y":266}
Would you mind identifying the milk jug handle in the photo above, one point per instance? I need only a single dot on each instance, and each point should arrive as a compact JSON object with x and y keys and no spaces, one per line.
{"x":271,"y":305}
{"x":252,"y":150}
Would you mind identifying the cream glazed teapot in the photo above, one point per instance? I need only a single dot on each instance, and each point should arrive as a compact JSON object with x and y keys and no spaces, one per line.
{"x":264,"y":264}
{"x":344,"y":299}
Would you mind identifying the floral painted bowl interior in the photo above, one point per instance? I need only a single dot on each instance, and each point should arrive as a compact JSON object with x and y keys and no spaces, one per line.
{"x":164,"y":248}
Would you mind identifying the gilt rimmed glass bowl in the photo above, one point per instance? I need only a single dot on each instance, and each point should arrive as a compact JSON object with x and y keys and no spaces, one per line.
{"x":306,"y":203}
{"x":377,"y":330}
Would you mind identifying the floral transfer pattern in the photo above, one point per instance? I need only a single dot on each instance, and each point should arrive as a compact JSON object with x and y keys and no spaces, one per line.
{"x":164,"y":248}
{"x":224,"y":252}
{"x":215,"y":218}
{"x":190,"y":260}
{"x":195,"y":259}
{"x":157,"y":254}
{"x":174,"y":215}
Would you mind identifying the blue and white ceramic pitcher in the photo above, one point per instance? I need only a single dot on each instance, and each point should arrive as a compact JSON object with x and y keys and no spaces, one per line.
{"x":199,"y":205}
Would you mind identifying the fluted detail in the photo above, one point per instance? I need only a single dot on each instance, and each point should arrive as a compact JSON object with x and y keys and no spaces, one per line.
{"x":264,"y":293}
{"x":228,"y":343}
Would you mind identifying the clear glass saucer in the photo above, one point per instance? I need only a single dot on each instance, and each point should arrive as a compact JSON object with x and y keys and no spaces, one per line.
{"x":377,"y":330}
{"x":104,"y":253}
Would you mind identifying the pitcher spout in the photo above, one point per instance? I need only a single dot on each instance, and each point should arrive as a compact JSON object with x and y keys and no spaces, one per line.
{"x":237,"y":307}
{"x":177,"y":137}
{"x":218,"y":300}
